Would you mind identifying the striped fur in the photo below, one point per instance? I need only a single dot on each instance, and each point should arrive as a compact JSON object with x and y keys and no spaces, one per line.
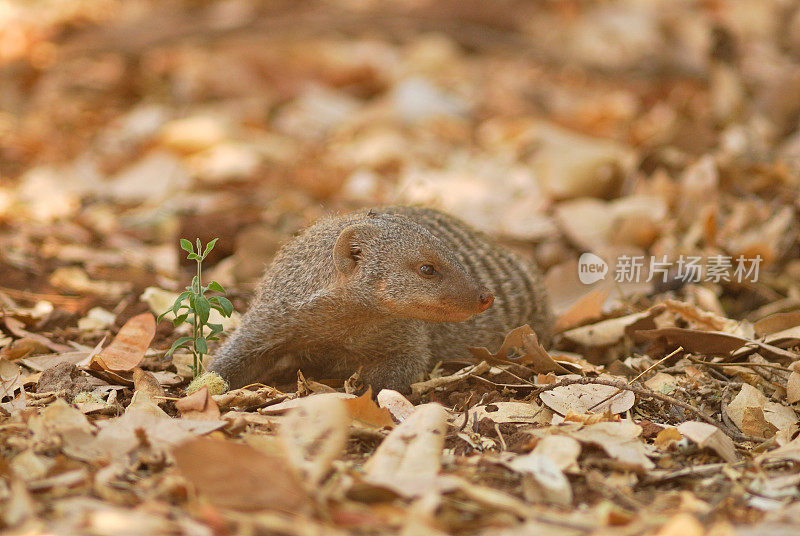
{"x":382,"y":317}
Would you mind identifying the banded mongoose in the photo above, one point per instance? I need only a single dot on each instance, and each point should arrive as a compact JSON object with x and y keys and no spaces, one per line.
{"x":390,"y":291}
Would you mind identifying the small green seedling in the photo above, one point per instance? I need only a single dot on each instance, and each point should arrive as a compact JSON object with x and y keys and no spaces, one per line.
{"x":193,"y":307}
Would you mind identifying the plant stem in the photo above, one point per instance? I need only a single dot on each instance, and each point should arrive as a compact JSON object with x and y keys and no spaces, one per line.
{"x":198,"y":327}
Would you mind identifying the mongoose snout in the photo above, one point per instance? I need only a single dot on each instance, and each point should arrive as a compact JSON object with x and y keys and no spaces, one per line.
{"x":387,"y":292}
{"x":485,"y":300}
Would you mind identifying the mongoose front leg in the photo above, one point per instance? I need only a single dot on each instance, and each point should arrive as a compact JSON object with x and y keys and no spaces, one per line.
{"x":397,"y":368}
{"x":250,"y":353}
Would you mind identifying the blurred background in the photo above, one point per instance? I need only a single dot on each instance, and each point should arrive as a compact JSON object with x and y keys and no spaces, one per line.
{"x":638,"y":127}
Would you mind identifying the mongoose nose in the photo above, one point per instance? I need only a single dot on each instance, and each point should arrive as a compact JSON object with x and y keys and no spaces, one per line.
{"x":486,"y":298}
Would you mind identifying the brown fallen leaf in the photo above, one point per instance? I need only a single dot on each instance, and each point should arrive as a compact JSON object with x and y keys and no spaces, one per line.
{"x":409,"y":459}
{"x":523,"y":338}
{"x":682,"y":525}
{"x":785,"y":338}
{"x":245,"y":398}
{"x":749,"y":398}
{"x":700,"y":319}
{"x":588,"y":307}
{"x":667,"y":437}
{"x":755,"y":424}
{"x":11,"y":386}
{"x":396,"y":403}
{"x":146,"y":383}
{"x":594,"y":398}
{"x":365,"y":411}
{"x":620,"y":440}
{"x":505,"y":412}
{"x":712,"y":342}
{"x":199,"y":406}
{"x":710,"y":437}
{"x":240,"y":477}
{"x":793,"y":388}
{"x":777,"y":322}
{"x":24,"y":347}
{"x":612,"y":331}
{"x":315,"y":434}
{"x":17,"y":328}
{"x":128,"y":347}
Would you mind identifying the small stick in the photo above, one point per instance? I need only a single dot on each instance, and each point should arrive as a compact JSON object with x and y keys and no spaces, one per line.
{"x":751,"y":365}
{"x":645,"y":371}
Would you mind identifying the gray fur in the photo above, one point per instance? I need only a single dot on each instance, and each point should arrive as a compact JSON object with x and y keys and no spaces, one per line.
{"x":329,"y":308}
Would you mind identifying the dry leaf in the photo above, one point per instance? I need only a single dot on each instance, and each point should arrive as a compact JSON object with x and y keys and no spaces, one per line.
{"x":777,"y":322}
{"x":590,"y":398}
{"x":703,"y":320}
{"x":710,"y":437}
{"x":543,"y":479}
{"x":199,"y":406}
{"x":620,"y":440}
{"x":505,"y":412}
{"x":286,"y":405}
{"x":24,"y":347}
{"x":666,"y":438}
{"x":240,"y":477}
{"x":409,"y":459}
{"x":612,"y":331}
{"x":120,"y":435}
{"x":17,"y":328}
{"x":682,"y":525}
{"x":11,"y":386}
{"x":396,"y":403}
{"x":128,"y":347}
{"x":712,"y":342}
{"x":146,"y":383}
{"x":563,"y":450}
{"x":524,"y":338}
{"x":315,"y":434}
{"x":587,"y":308}
{"x":245,"y":398}
{"x":778,"y":415}
{"x":662,"y":383}
{"x":365,"y":411}
{"x":755,"y":424}
{"x":793,"y":388}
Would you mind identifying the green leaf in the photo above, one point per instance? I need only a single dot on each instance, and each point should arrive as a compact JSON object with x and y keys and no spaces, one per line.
{"x":215,"y":286}
{"x":193,"y":257}
{"x":225,"y":303}
{"x":199,"y":246}
{"x":200,"y":345}
{"x":215,"y":328}
{"x":186,"y":245}
{"x":202,"y":307}
{"x":180,"y":320}
{"x":209,"y":247}
{"x":177,"y":344}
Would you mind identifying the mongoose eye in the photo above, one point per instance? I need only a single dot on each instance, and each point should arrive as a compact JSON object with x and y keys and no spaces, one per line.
{"x":427,"y":270}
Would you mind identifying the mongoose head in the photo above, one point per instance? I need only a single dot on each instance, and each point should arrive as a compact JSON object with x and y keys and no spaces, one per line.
{"x":399,"y":268}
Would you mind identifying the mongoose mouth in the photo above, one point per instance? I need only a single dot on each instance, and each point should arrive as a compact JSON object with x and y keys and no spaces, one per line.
{"x":443,"y":313}
{"x":485,"y":301}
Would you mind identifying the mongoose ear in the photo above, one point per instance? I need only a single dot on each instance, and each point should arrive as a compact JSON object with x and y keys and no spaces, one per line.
{"x":347,"y":250}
